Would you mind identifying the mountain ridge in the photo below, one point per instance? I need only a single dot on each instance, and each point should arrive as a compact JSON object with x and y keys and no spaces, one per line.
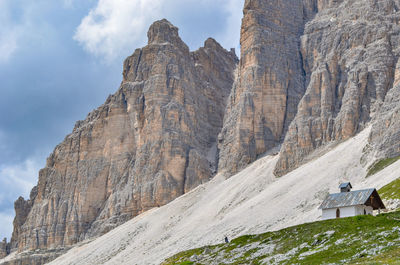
{"x":312,"y":76}
{"x":149,"y":143}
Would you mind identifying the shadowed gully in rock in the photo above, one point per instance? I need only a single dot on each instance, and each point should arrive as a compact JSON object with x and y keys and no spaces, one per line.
{"x":270,"y":80}
{"x":350,"y":51}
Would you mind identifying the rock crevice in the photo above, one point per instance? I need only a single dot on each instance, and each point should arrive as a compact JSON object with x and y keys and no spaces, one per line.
{"x":270,"y":81}
{"x":349,"y":62}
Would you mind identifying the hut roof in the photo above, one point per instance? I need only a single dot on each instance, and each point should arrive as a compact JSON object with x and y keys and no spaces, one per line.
{"x":369,"y":197}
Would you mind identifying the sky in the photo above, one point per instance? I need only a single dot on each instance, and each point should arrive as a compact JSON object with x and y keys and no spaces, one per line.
{"x":60,"y":59}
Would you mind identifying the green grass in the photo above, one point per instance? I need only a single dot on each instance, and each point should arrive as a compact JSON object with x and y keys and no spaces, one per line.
{"x":391,"y":190}
{"x":388,"y":257}
{"x":365,"y":239}
{"x":381,"y":164}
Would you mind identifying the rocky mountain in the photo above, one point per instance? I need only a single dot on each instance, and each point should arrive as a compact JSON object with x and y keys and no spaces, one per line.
{"x":250,"y":202}
{"x":385,"y":135}
{"x":4,"y":248}
{"x":269,"y":84}
{"x":312,"y":74}
{"x":152,"y":141}
{"x":350,"y":51}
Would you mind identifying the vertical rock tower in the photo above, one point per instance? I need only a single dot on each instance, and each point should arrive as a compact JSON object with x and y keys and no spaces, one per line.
{"x":152,"y":141}
{"x":312,"y":72}
{"x":270,"y":81}
{"x":4,"y":248}
{"x":350,"y":52}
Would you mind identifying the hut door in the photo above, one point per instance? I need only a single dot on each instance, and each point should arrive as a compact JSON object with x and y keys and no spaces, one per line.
{"x":337,"y":213}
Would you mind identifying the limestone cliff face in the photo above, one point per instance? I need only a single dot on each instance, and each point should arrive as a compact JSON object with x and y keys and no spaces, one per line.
{"x":349,"y":52}
{"x":385,"y":133}
{"x":22,"y":208}
{"x":152,"y":141}
{"x":4,"y":248}
{"x":270,"y":81}
{"x":311,"y":72}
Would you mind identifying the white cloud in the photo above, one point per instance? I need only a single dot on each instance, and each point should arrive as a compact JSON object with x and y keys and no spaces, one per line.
{"x":15,"y":180}
{"x":19,"y":178}
{"x":115,"y":24}
{"x":232,"y":33}
{"x":116,"y":27}
{"x":8,"y":33}
{"x":6,"y":225}
{"x":8,"y":45}
{"x":16,"y":26}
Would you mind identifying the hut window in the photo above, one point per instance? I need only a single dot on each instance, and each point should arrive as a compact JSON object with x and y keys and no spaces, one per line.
{"x":337,"y":213}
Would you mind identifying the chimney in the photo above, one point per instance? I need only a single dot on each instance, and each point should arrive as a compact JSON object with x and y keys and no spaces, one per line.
{"x":345,"y":187}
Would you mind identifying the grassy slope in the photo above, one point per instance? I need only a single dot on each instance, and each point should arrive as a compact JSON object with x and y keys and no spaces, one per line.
{"x":353,"y":240}
{"x":381,"y":164}
{"x":391,"y":190}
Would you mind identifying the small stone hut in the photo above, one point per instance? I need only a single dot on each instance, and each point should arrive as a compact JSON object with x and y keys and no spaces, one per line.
{"x":348,"y":203}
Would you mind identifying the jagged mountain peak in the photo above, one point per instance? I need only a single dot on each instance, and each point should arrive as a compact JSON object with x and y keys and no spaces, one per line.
{"x":150,"y":142}
{"x":212,"y":43}
{"x":162,"y":31}
{"x":311,"y":74}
